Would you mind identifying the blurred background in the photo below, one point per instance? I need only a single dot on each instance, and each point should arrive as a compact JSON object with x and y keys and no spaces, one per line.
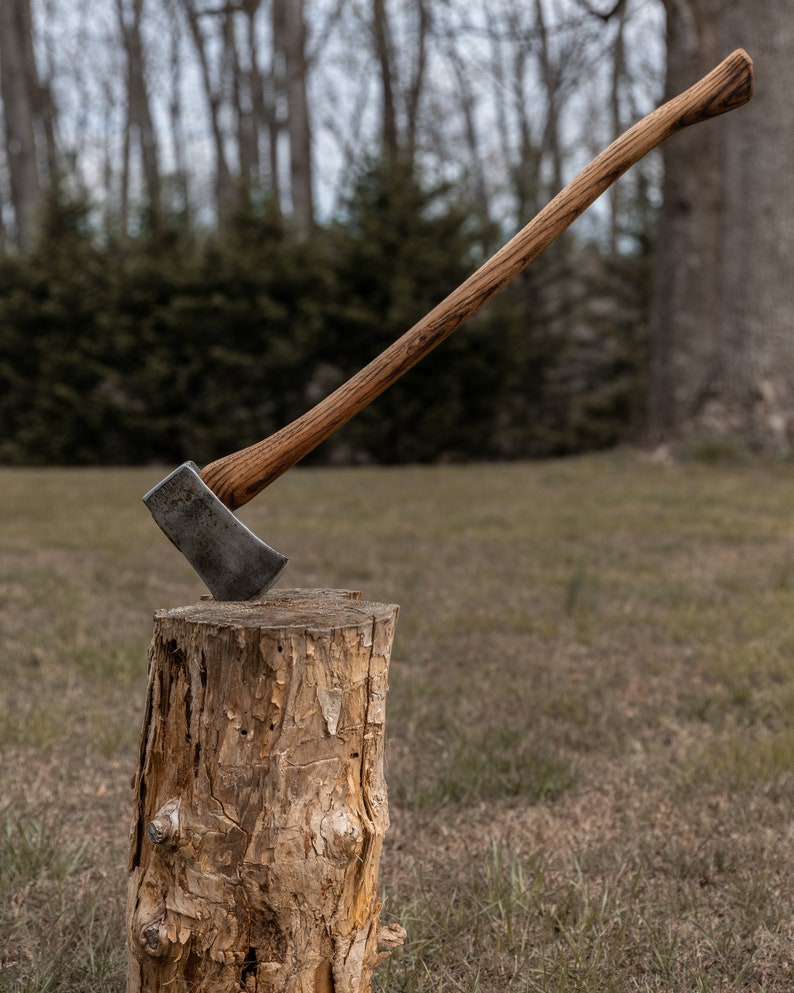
{"x":212,"y":213}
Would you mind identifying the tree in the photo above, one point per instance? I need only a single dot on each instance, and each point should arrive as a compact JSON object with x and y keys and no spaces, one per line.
{"x":57,"y":394}
{"x":290,"y":39}
{"x":402,"y":75}
{"x":138,"y":112}
{"x":722,"y":349}
{"x":29,"y":118}
{"x":402,"y":249}
{"x":213,"y":91}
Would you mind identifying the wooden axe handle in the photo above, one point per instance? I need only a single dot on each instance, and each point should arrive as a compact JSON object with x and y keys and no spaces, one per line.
{"x":237,"y":478}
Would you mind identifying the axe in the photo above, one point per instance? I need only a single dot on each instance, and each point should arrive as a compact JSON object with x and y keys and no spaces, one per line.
{"x":195,"y":507}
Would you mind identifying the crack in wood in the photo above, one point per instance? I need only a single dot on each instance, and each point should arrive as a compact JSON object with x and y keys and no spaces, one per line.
{"x":272,"y":881}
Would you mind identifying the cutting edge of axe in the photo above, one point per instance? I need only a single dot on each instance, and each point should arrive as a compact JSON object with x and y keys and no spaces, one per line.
{"x":195,"y":507}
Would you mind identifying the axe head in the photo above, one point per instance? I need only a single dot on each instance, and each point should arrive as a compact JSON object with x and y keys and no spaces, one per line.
{"x":228,"y":556}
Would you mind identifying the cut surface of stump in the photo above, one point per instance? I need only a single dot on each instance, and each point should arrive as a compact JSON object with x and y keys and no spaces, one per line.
{"x":260,"y":801}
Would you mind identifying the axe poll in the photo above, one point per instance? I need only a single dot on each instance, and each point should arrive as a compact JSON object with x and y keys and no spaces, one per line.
{"x":195,"y":507}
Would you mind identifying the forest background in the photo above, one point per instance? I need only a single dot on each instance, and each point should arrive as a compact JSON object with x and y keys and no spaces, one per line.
{"x":214,"y":213}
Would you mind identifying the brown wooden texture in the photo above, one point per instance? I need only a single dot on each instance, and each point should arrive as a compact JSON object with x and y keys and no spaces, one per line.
{"x":260,"y":802}
{"x":237,"y":478}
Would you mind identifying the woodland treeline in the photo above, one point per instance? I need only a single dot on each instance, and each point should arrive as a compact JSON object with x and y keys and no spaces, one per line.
{"x":214,"y":213}
{"x":173,"y":346}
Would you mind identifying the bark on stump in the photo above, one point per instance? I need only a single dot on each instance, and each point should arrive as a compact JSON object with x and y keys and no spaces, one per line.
{"x":260,"y":802}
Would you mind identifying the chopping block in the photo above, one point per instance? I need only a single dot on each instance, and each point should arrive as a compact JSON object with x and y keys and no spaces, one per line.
{"x":260,"y":800}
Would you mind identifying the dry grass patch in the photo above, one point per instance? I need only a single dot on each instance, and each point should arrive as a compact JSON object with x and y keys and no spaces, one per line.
{"x":590,"y":757}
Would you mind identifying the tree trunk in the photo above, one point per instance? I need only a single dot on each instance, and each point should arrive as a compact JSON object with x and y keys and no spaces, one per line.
{"x":19,"y":89}
{"x":722,"y":362}
{"x":224,"y":186}
{"x":416,"y":83}
{"x":479,"y":194}
{"x":263,"y":108}
{"x":139,"y":116}
{"x":260,"y":800}
{"x":298,"y":127}
{"x":390,"y":144}
{"x":181,"y":200}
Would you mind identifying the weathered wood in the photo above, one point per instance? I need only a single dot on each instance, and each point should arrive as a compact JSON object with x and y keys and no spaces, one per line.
{"x":260,"y":801}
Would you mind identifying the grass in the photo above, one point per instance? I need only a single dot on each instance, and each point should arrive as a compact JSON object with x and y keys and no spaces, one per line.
{"x":590,"y":754}
{"x":57,"y":933}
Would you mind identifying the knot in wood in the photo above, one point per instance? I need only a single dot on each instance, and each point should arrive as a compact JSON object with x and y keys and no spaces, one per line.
{"x":264,"y":719}
{"x":163,"y":828}
{"x":153,"y":938}
{"x":342,"y":834}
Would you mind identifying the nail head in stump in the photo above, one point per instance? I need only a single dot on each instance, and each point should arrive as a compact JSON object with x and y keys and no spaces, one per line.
{"x":260,"y":801}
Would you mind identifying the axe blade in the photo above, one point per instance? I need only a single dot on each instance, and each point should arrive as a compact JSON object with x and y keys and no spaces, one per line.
{"x":232,"y":561}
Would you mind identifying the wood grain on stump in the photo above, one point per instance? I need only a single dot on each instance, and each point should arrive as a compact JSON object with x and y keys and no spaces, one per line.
{"x":260,"y":801}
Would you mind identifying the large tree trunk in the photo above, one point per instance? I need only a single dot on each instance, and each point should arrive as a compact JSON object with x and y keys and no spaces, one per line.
{"x":21,"y":93}
{"x":722,"y":362}
{"x":260,"y":798}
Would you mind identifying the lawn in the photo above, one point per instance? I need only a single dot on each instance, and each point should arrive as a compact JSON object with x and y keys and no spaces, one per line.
{"x":590,"y":738}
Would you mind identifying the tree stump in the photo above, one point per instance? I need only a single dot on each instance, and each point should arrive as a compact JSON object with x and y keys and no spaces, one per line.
{"x":260,"y":800}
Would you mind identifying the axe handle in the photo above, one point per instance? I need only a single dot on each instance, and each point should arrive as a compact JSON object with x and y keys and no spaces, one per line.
{"x":237,"y":478}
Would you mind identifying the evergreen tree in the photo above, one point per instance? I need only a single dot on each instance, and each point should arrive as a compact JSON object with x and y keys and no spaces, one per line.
{"x":402,"y":249}
{"x":56,"y":397}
